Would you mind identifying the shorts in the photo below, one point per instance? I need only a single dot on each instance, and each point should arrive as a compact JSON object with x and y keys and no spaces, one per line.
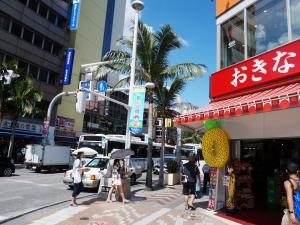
{"x":189,"y":188}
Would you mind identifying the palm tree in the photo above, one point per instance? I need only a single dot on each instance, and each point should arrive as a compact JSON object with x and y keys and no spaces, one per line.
{"x":20,"y":102}
{"x":153,"y":49}
{"x":164,"y":100}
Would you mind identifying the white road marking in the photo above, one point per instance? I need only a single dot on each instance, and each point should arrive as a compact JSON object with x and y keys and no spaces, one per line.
{"x":2,"y":218}
{"x":23,"y":181}
{"x":3,"y":199}
{"x":152,"y":217}
{"x":60,"y":216}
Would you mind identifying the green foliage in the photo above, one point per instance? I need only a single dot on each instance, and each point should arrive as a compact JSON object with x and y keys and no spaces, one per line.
{"x":172,"y":166}
{"x":210,"y":124}
{"x":164,"y":97}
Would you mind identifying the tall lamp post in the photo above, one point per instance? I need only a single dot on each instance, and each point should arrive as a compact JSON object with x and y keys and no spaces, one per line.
{"x":138,"y":6}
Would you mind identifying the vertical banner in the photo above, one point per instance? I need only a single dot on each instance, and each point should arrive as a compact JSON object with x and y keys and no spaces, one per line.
{"x":68,"y":66}
{"x":137,"y":110}
{"x":212,"y":198}
{"x":74,"y":15}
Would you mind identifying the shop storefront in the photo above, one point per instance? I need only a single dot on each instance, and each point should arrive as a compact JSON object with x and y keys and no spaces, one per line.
{"x":27,"y":132}
{"x":255,"y":96}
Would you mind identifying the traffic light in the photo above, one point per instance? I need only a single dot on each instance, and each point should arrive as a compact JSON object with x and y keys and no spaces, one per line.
{"x":81,"y":102}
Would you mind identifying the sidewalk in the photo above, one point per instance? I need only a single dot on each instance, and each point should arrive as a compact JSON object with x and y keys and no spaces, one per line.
{"x":162,"y":207}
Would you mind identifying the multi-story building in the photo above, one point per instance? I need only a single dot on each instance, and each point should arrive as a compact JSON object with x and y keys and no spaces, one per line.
{"x":104,"y":116}
{"x":256,"y":92}
{"x":35,"y":33}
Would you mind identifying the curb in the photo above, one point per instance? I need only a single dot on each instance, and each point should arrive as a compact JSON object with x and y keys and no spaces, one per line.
{"x":40,"y":208}
{"x":19,"y":166}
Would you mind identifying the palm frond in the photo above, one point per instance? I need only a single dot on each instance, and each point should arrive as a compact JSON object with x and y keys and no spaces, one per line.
{"x":186,"y":71}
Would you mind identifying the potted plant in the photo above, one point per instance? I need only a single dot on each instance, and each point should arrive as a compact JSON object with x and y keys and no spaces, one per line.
{"x":173,"y":174}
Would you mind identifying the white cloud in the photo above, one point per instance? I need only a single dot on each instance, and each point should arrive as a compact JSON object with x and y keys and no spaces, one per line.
{"x":184,"y":42}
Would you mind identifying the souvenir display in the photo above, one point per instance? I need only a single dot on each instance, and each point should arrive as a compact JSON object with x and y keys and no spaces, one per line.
{"x":215,"y":148}
{"x":212,"y":189}
{"x":229,"y":183}
{"x":244,"y":194}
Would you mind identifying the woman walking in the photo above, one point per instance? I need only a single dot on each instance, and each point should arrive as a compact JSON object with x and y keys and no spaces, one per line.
{"x":77,"y":172}
{"x":292,"y":188}
{"x":118,"y":174}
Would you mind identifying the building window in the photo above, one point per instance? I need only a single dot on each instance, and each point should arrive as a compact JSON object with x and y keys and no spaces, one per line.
{"x":23,"y":66}
{"x":38,"y":40}
{"x":1,"y":57}
{"x":60,"y":22}
{"x":52,"y":17}
{"x":33,"y":4}
{"x":27,"y":35}
{"x":23,"y":2}
{"x":295,"y":18}
{"x":56,"y":49}
{"x":47,"y":45}
{"x":43,"y":75}
{"x":52,"y":78}
{"x":16,"y":29}
{"x":232,"y":41}
{"x":266,"y":26}
{"x":33,"y":71}
{"x":43,"y":11}
{"x":4,"y":23}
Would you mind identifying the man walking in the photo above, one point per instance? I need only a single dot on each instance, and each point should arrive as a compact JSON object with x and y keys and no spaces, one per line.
{"x":189,"y":173}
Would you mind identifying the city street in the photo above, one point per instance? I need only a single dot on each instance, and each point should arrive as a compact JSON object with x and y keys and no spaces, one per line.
{"x":27,"y":190}
{"x":36,"y":198}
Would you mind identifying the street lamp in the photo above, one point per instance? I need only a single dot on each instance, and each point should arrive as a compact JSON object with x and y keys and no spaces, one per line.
{"x":137,"y":5}
{"x":150,"y":85}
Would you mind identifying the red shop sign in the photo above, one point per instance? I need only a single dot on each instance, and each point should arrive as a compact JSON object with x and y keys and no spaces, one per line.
{"x":273,"y":66}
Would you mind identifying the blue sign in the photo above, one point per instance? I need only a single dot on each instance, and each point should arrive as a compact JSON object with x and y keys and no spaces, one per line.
{"x":87,"y":85}
{"x":102,"y":86}
{"x":137,"y":110}
{"x":75,"y":15}
{"x":68,"y":66}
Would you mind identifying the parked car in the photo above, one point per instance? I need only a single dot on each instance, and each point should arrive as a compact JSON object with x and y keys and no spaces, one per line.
{"x":7,"y":168}
{"x":156,"y":166}
{"x":98,"y":168}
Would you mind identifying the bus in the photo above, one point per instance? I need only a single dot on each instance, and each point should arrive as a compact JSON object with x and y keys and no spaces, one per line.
{"x":104,"y":144}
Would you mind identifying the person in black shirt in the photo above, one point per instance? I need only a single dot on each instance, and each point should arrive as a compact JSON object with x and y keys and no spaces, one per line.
{"x":189,"y":174}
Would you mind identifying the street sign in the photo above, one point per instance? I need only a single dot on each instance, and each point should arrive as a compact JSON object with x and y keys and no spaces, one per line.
{"x":102,"y":86}
{"x":87,"y":85}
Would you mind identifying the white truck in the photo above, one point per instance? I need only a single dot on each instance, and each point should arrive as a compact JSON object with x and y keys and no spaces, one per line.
{"x":50,"y":158}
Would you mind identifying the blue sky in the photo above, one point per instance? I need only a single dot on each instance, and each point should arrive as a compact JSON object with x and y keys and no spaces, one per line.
{"x":194,"y":21}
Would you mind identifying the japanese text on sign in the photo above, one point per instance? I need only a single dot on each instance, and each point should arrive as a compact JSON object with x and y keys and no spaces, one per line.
{"x":276,"y":65}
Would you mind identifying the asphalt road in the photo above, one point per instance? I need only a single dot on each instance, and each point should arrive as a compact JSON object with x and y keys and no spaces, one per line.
{"x":27,"y":190}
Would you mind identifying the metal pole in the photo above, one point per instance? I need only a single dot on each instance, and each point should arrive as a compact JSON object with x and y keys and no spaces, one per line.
{"x":50,"y":108}
{"x":132,"y":74}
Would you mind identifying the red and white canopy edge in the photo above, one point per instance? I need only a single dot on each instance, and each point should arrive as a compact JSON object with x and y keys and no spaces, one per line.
{"x":273,"y":99}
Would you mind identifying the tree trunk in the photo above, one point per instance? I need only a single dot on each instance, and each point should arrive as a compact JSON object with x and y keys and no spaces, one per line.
{"x":162,"y":153}
{"x":12,"y":137}
{"x":150,"y":143}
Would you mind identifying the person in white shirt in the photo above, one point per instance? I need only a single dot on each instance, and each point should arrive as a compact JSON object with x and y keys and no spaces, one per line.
{"x":78,"y":170}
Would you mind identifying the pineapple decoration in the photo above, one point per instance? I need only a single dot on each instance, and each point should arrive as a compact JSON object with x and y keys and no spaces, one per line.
{"x":215,"y":145}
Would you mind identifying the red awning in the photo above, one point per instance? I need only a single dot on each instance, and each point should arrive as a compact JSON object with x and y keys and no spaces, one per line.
{"x":264,"y":101}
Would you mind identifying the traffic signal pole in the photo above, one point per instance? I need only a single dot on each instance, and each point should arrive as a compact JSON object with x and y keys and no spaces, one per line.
{"x":74,"y":93}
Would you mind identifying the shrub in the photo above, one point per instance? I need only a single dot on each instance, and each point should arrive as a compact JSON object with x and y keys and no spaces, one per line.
{"x":172,"y":166}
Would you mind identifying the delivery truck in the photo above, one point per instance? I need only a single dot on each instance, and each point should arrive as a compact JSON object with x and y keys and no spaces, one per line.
{"x":49,"y":158}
